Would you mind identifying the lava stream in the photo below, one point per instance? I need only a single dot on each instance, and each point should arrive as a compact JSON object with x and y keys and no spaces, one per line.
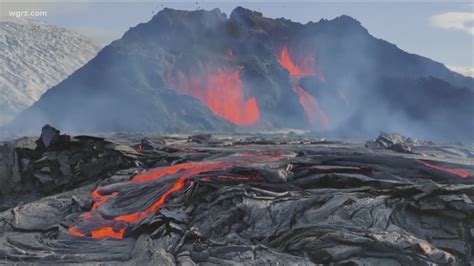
{"x":308,"y":102}
{"x":461,"y":173}
{"x":311,"y":107}
{"x":93,"y":223}
{"x":306,"y":68}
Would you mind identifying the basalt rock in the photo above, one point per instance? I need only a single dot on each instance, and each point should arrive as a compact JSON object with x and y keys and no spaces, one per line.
{"x":252,"y":199}
{"x":55,"y":163}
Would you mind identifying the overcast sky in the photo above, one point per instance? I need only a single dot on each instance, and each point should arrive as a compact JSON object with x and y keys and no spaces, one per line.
{"x":441,"y":30}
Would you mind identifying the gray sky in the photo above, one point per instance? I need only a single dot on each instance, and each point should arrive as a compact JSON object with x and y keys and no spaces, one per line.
{"x":441,"y":30}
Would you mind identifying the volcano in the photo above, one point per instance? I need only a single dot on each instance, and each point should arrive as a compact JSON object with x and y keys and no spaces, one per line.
{"x":206,"y":71}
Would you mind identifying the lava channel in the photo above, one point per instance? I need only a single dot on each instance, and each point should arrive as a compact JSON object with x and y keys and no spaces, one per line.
{"x":122,"y":200}
{"x":308,"y":102}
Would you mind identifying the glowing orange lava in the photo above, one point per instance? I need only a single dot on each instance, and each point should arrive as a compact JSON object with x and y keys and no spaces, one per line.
{"x":99,"y":200}
{"x":306,"y":68}
{"x":461,"y":173}
{"x":73,"y":231}
{"x":108,"y":232}
{"x":159,"y":172}
{"x":99,"y":227}
{"x":311,"y":107}
{"x":92,"y":224}
{"x":222,"y":91}
{"x":135,"y":217}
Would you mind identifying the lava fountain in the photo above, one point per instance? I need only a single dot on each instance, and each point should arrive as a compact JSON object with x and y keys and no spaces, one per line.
{"x":222,"y":91}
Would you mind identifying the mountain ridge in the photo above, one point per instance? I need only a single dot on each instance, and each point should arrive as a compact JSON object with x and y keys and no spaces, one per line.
{"x":36,"y":56}
{"x":176,"y":48}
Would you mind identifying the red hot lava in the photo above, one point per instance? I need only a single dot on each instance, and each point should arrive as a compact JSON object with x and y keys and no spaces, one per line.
{"x":308,"y":102}
{"x":306,"y":68}
{"x":93,"y":224}
{"x":222,"y":91}
{"x":461,"y":173}
{"x":311,"y":107}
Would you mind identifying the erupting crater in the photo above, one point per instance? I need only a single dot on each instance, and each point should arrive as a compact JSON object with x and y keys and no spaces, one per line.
{"x":222,"y":91}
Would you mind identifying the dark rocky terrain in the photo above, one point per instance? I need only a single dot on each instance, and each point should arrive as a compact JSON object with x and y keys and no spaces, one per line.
{"x":220,"y":199}
{"x":201,"y":70}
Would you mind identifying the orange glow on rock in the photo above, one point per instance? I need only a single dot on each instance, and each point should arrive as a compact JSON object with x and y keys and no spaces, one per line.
{"x":93,"y":224}
{"x":461,"y":173}
{"x":306,"y":68}
{"x":222,"y":91}
{"x":135,"y":217}
{"x":102,"y":199}
{"x":73,"y":231}
{"x":159,"y":172}
{"x":96,"y":194}
{"x":311,"y":107}
{"x":308,"y":102}
{"x":108,"y":232}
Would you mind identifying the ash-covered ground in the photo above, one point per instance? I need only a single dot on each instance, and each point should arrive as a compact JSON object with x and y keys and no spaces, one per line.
{"x":253,"y":199}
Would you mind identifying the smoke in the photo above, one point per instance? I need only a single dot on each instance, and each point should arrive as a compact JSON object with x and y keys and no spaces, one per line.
{"x":362,"y":84}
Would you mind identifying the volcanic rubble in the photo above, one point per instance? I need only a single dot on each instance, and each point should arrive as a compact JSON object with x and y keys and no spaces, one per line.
{"x":254,"y":199}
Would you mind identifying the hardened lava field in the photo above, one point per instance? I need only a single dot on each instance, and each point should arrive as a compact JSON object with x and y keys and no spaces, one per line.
{"x":225,"y":199}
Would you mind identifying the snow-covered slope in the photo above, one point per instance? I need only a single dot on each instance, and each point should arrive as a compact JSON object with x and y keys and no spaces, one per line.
{"x":34,"y":56}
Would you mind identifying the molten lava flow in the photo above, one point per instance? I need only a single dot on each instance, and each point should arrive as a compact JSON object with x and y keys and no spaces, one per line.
{"x":306,"y":68}
{"x":94,"y":225}
{"x":170,"y":170}
{"x":308,"y":102}
{"x":311,"y":107}
{"x":99,"y":200}
{"x":108,"y":232}
{"x":73,"y":231}
{"x":135,"y":217}
{"x":461,"y":173}
{"x":189,"y":169}
{"x":99,"y":227}
{"x":221,"y":91}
